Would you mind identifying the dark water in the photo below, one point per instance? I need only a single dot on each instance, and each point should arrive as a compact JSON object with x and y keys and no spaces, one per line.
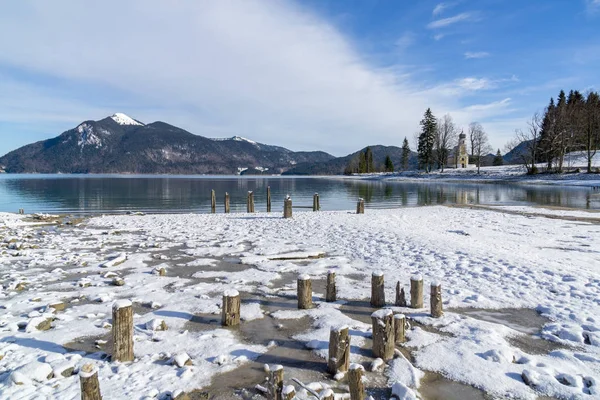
{"x":115,"y":193}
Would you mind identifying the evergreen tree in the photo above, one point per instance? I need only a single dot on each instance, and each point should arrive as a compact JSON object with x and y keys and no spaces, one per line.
{"x":389,"y":165}
{"x":370,"y":167}
{"x":427,"y":140}
{"x":498,"y":159}
{"x":405,"y":154}
{"x":547,"y":145}
{"x":362,"y":163}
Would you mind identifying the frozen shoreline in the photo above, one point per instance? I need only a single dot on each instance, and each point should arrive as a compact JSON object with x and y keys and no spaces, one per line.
{"x":483,"y":259}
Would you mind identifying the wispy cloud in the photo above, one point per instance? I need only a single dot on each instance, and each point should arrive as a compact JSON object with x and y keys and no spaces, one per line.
{"x":592,"y":6}
{"x":441,"y":23}
{"x":476,"y":54}
{"x":439,"y":8}
{"x":439,"y":36}
{"x":406,"y":40}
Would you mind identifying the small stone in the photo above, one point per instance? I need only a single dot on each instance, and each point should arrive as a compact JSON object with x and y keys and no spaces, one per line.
{"x":58,"y":306}
{"x":118,"y":282}
{"x":68,"y":372}
{"x":44,"y":325}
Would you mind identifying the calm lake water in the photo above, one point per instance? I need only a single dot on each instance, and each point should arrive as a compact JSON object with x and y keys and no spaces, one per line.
{"x":115,"y":193}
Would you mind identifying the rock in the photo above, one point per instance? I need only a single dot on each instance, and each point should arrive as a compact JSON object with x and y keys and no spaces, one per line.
{"x":57,"y":306}
{"x":118,"y":281}
{"x":44,"y":325}
{"x":181,"y":360}
{"x":156,"y":325}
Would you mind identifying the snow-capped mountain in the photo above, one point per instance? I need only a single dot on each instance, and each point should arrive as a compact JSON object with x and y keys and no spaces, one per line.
{"x":122,"y":144}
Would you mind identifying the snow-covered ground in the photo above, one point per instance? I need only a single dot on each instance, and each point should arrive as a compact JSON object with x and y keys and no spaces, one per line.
{"x":483,"y":259}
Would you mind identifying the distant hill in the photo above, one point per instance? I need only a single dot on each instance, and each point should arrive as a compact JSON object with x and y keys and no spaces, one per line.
{"x":121,"y":144}
{"x":515,"y":155}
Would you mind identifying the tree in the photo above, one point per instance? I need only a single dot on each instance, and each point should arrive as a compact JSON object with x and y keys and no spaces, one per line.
{"x":547,"y":148}
{"x":591,"y":127}
{"x":530,"y":140}
{"x":370,"y":167}
{"x":445,"y":139}
{"x":362,"y":163}
{"x":498,"y":160}
{"x":427,"y":140}
{"x":389,"y":165}
{"x":480,"y":143}
{"x":405,"y":154}
{"x":474,"y":127}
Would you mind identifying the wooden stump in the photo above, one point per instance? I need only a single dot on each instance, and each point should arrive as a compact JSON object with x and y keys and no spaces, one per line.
{"x":377,"y":290}
{"x":304,"y":292}
{"x":316,"y":204}
{"x":400,"y":296}
{"x":88,"y":379}
{"x":331,"y":294}
{"x":287,"y":207}
{"x":416,"y":291}
{"x":399,"y":328}
{"x":268,"y":198}
{"x":383,"y":334}
{"x":355,"y":381}
{"x":213,"y":202}
{"x":339,"y":350}
{"x":250,"y":202}
{"x":230,"y":312}
{"x":328,"y":394}
{"x":360,"y":206}
{"x":122,"y":331}
{"x":275,"y":386}
{"x":436,"y":300}
{"x":227,"y":206}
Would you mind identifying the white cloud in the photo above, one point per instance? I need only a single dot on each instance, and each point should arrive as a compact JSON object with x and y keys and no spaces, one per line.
{"x":439,"y":36}
{"x":439,"y":8}
{"x":476,"y":54}
{"x":406,"y":40}
{"x":441,"y":23}
{"x":592,"y":6}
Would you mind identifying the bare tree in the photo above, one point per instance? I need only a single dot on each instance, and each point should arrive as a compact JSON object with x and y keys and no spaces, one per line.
{"x":445,"y":140}
{"x":479,"y":142}
{"x":529,"y":139}
{"x":591,"y":127}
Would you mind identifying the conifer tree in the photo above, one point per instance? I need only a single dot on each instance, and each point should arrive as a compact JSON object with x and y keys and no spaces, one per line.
{"x":405,"y":154}
{"x":362,"y":163}
{"x":498,"y":159}
{"x":370,"y":167}
{"x":427,"y":140}
{"x":389,"y":165}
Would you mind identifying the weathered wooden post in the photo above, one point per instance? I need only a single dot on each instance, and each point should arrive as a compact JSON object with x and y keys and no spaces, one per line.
{"x":400,"y":296}
{"x":88,"y":379}
{"x":383,"y":333}
{"x":316,"y":205}
{"x":213,"y":202}
{"x":377,"y":290}
{"x":275,"y":385}
{"x":250,"y":203}
{"x":399,"y":328}
{"x":230,"y":312}
{"x":268,"y":199}
{"x":360,"y":206}
{"x":331,"y":294}
{"x":122,"y":331}
{"x":339,"y":350}
{"x":355,"y":381}
{"x":304,"y":292}
{"x":287,"y":207}
{"x":416,"y":291}
{"x":435,"y":301}
{"x":227,"y":200}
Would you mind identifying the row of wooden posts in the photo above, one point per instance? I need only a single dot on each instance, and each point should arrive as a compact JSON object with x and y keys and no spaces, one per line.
{"x":388,"y":330}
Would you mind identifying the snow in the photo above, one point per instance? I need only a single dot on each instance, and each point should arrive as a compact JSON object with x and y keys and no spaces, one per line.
{"x":123,"y":119}
{"x":121,"y":304}
{"x":231,"y":293}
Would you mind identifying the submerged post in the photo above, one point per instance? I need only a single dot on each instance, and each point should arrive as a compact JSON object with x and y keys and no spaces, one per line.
{"x":213,"y":202}
{"x":230,"y":312}
{"x":383,"y":334}
{"x":400,"y":296}
{"x":436,"y":300}
{"x":268,"y":199}
{"x":316,"y":205}
{"x":339,"y":350}
{"x":227,"y":208}
{"x":416,"y":291}
{"x":287,"y":207}
{"x":377,"y":290}
{"x":122,"y":331}
{"x":88,"y":379}
{"x":331,"y":294}
{"x":399,"y":328}
{"x":275,"y":385}
{"x":355,"y":381}
{"x":360,"y":206}
{"x":304,"y":292}
{"x":250,"y":203}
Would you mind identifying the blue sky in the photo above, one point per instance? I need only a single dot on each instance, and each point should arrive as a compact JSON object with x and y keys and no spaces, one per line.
{"x":313,"y":74}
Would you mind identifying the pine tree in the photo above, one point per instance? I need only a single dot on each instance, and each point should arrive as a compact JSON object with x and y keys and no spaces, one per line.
{"x":427,"y":140}
{"x":389,"y":165}
{"x":362,"y":163}
{"x":498,"y":159}
{"x":547,"y":145}
{"x":405,"y":154}
{"x":370,"y":167}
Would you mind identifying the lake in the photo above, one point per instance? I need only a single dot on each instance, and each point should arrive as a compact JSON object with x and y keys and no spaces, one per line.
{"x":158,"y":194}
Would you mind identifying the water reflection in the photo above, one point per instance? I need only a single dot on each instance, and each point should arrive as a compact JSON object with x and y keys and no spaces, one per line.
{"x":94,"y":194}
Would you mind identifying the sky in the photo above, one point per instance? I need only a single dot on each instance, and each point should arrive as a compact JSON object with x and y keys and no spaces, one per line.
{"x":332,"y":75}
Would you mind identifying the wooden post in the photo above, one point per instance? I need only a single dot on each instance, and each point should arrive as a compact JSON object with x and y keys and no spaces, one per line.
{"x":377,"y":290}
{"x":275,"y":386}
{"x":289,"y":392}
{"x":304,"y":292}
{"x":287,"y":207}
{"x":227,"y":207}
{"x":213,"y":202}
{"x":400,"y":296}
{"x":316,"y":202}
{"x":230,"y":312}
{"x":355,"y":381}
{"x":416,"y":291}
{"x":268,"y":199}
{"x":400,"y":328}
{"x":339,"y":350}
{"x":122,"y":331}
{"x":88,"y":379}
{"x":331,"y":294}
{"x":360,"y":206}
{"x":383,"y":333}
{"x":436,"y":300}
{"x":328,"y":394}
{"x":250,"y":204}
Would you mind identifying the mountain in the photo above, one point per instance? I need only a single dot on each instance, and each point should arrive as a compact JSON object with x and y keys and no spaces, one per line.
{"x":121,"y":144}
{"x":515,"y":156}
{"x":336,"y":166}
